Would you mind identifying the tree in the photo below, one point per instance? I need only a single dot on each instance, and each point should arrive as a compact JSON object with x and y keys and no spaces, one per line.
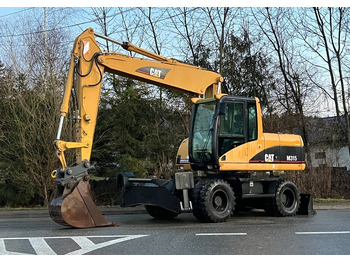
{"x":220,"y":21}
{"x":246,"y":72}
{"x":30,"y":106}
{"x":191,"y":35}
{"x":274,"y":25}
{"x":326,"y":36}
{"x":26,"y":147}
{"x":132,"y":134}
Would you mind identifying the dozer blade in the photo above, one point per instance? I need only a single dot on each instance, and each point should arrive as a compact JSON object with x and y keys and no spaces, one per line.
{"x":77,"y":209}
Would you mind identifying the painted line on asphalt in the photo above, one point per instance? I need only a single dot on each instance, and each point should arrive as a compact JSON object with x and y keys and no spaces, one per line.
{"x":221,"y":234}
{"x":322,"y":233}
{"x":41,"y":247}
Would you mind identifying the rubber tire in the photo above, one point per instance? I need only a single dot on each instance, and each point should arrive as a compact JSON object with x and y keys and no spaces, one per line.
{"x":160,"y":213}
{"x":287,"y":200}
{"x":214,"y":201}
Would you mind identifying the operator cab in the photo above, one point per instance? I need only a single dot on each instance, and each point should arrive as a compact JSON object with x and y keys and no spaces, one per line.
{"x":217,"y":126}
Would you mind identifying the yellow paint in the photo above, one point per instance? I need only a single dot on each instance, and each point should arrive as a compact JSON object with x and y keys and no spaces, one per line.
{"x":181,"y":77}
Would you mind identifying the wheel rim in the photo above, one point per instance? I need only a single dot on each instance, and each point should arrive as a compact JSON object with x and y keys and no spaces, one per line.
{"x":220,"y":201}
{"x":288,"y":198}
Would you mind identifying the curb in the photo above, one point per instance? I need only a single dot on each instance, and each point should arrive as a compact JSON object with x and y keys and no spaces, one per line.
{"x":36,"y":213}
{"x":332,"y":206}
{"x":117,"y":210}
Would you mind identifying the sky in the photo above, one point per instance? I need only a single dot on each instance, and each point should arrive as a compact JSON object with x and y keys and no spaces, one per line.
{"x":164,"y":3}
{"x":7,"y":12}
{"x":9,"y":8}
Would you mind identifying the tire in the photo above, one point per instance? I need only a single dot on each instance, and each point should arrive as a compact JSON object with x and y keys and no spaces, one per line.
{"x":214,"y":201}
{"x":287,"y":199}
{"x":160,"y":213}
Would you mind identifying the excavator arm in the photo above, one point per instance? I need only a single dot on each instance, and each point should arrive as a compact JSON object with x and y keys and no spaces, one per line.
{"x":73,"y":204}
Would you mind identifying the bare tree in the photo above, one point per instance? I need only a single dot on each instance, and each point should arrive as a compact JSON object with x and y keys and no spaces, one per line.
{"x":32,"y":103}
{"x":101,"y":15}
{"x":274,"y":25}
{"x":191,"y":33}
{"x":153,"y":37}
{"x":326,"y":35}
{"x":222,"y":24}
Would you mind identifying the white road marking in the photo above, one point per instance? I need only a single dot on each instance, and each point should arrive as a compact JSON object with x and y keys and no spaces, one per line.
{"x":41,"y":247}
{"x":88,"y":248}
{"x":3,"y":250}
{"x":84,"y":243}
{"x":221,"y":234}
{"x":322,"y":233}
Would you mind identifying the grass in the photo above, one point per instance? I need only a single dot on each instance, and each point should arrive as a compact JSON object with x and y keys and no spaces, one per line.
{"x":6,"y":208}
{"x":330,"y":200}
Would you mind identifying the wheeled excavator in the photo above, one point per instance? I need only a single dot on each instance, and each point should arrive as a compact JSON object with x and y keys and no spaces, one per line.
{"x":217,"y":164}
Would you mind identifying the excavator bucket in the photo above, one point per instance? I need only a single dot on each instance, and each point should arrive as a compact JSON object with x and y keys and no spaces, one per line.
{"x":77,"y":209}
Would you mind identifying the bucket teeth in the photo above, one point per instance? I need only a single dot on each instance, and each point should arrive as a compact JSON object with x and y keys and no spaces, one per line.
{"x":77,"y":209}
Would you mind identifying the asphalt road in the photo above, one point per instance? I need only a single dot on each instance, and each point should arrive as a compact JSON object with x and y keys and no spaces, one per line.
{"x":251,"y":233}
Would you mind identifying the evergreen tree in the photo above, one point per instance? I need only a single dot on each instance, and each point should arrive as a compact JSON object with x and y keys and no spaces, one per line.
{"x":246,"y":72}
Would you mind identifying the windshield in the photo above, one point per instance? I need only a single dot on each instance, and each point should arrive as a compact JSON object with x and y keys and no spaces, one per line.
{"x":202,"y":132}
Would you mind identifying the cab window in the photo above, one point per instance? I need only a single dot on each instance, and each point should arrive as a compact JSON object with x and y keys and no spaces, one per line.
{"x":231,"y":129}
{"x":232,"y":121}
{"x":252,"y":122}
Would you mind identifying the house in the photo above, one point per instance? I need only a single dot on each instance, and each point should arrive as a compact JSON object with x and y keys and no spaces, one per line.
{"x":327,"y":143}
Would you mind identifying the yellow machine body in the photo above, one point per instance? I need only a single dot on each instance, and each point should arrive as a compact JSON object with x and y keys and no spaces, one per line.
{"x":73,"y":205}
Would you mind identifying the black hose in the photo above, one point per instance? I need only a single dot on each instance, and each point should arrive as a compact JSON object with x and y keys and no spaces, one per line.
{"x":94,"y":57}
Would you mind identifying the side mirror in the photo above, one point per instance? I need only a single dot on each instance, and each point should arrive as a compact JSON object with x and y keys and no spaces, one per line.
{"x":222,"y":109}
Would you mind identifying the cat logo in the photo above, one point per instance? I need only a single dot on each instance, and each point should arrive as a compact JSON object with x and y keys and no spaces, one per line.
{"x":157,"y":72}
{"x":269,"y":157}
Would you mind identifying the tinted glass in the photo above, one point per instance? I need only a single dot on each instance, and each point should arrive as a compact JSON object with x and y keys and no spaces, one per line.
{"x":202,"y":132}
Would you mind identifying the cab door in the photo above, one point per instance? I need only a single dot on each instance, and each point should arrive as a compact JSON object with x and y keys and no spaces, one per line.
{"x":254,"y":145}
{"x":232,"y":131}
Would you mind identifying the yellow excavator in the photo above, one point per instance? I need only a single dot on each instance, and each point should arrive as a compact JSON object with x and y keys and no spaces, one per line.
{"x":217,"y":164}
